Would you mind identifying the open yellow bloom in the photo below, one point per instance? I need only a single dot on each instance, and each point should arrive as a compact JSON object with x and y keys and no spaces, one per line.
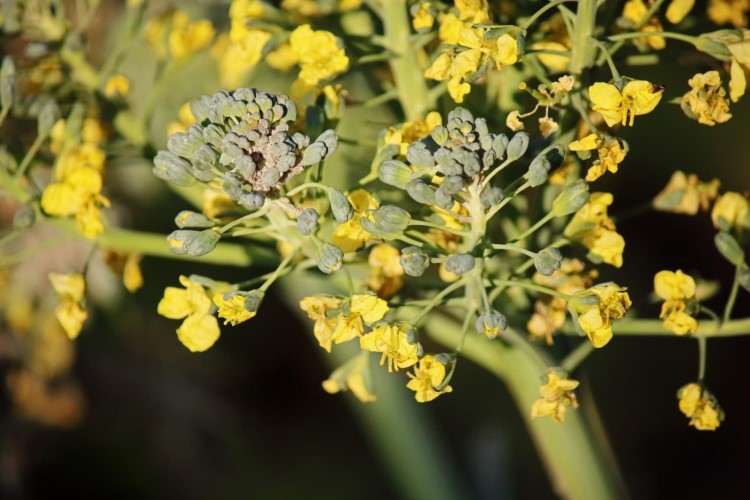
{"x":200,"y":330}
{"x":611,"y":154}
{"x":232,"y":308}
{"x":700,"y":406}
{"x":397,"y":343}
{"x":677,"y":289}
{"x":386,"y":274}
{"x":320,"y":55}
{"x":354,"y":376}
{"x":706,"y":101}
{"x":557,"y":395}
{"x":188,"y":37}
{"x":731,"y":210}
{"x":350,"y":236}
{"x":282,"y":58}
{"x":364,"y":309}
{"x":411,"y":131}
{"x":428,"y":375}
{"x":70,"y":313}
{"x":592,"y":227}
{"x":685,"y":194}
{"x":77,"y":193}
{"x":423,"y":18}
{"x":638,"y":97}
{"x":320,"y":308}
{"x":597,"y":307}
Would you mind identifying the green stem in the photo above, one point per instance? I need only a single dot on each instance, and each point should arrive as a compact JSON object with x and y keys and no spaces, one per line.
{"x":702,"y":348}
{"x":583,"y":50}
{"x":654,"y":327}
{"x":664,"y":34}
{"x":279,"y":270}
{"x":407,"y":71}
{"x":541,"y":11}
{"x":732,"y":296}
{"x":610,"y":62}
{"x":458,"y":232}
{"x":536,"y":226}
{"x":653,"y":9}
{"x":531,"y":286}
{"x":30,"y":154}
{"x":576,"y":357}
{"x":436,"y":300}
{"x":514,"y":248}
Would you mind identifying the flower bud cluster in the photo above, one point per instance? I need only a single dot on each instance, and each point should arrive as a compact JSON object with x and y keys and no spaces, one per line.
{"x":243,"y":141}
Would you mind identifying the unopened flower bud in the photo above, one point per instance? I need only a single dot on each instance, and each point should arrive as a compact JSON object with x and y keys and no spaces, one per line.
{"x":491,"y":323}
{"x":172,"y":168}
{"x":491,"y":196}
{"x":48,"y":116}
{"x":452,"y":184}
{"x":571,"y":199}
{"x":443,"y":199}
{"x":420,"y":191}
{"x":743,"y":277}
{"x":252,"y":201}
{"x":394,"y":173}
{"x":178,"y":240}
{"x":419,"y":155}
{"x":517,"y":146}
{"x":331,"y":258}
{"x":183,"y":144}
{"x":188,"y":218}
{"x":460,"y":264}
{"x":340,"y":206}
{"x":199,"y":108}
{"x":202,"y":243}
{"x":539,"y":170}
{"x":439,"y":134}
{"x":500,"y":145}
{"x":387,"y":222}
{"x":24,"y":217}
{"x":414,"y":260}
{"x":547,"y":261}
{"x":307,"y":222}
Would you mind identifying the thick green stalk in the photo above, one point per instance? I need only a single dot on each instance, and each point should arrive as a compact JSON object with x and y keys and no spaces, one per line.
{"x":583,"y":50}
{"x":655,"y":327}
{"x":575,"y":461}
{"x":407,"y":71}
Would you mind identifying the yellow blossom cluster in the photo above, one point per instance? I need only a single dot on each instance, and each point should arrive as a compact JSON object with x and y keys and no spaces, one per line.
{"x":396,"y":342}
{"x":635,"y":11}
{"x":593,"y":228}
{"x":175,"y":34}
{"x":595,"y":308}
{"x":610,"y":152}
{"x":320,"y":55}
{"x":706,"y":101}
{"x":71,"y":313}
{"x":557,"y":396}
{"x":686,"y":194}
{"x":700,"y":406}
{"x":677,"y":290}
{"x":729,"y":11}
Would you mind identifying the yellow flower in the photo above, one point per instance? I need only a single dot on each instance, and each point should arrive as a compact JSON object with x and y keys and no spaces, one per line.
{"x":547,"y":126}
{"x":428,"y":375}
{"x":686,"y":194}
{"x":318,"y":308}
{"x":117,"y":86}
{"x":678,"y":9}
{"x":592,"y":227}
{"x":731,"y":210}
{"x":611,"y":154}
{"x":386,"y":274}
{"x":396,"y":341}
{"x":78,"y":193}
{"x":364,"y":309}
{"x":354,"y":375}
{"x":186,"y":37}
{"x":239,"y":54}
{"x":450,"y":26}
{"x":232,"y":309}
{"x":351,"y":236}
{"x":729,"y":11}
{"x":200,"y":330}
{"x":513,"y":121}
{"x":320,"y":55}
{"x":557,"y":395}
{"x":126,"y":265}
{"x":597,"y":307}
{"x":635,"y":11}
{"x":677,"y":289}
{"x":638,"y":97}
{"x":706,"y":100}
{"x":412,"y":131}
{"x":423,"y":18}
{"x":246,"y":10}
{"x":282,"y":58}
{"x":70,"y":313}
{"x":700,"y":406}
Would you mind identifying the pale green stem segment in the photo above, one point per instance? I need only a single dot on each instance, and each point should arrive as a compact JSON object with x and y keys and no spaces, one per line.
{"x":541,"y":11}
{"x":732,"y":296}
{"x":702,"y":353}
{"x":514,"y":248}
{"x":407,"y":71}
{"x":437,"y":299}
{"x":548,"y":217}
{"x":458,"y":232}
{"x":30,"y":154}
{"x":531,"y":286}
{"x":583,"y":50}
{"x":577,"y":356}
{"x":655,"y":328}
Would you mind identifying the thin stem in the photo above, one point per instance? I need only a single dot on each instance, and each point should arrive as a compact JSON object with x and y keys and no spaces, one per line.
{"x":653,"y":9}
{"x":732,"y":296}
{"x":610,"y":62}
{"x":30,"y":154}
{"x":243,"y":219}
{"x":497,"y":170}
{"x":532,"y":286}
{"x":275,"y":275}
{"x":541,"y":11}
{"x":514,"y":248}
{"x":664,"y":34}
{"x":465,"y":329}
{"x":702,"y":352}
{"x":442,"y":228}
{"x":577,"y":356}
{"x":536,"y":226}
{"x":436,"y":300}
{"x":507,"y":200}
{"x":655,"y":328}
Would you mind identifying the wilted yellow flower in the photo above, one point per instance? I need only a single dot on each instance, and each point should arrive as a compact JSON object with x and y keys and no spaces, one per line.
{"x":611,"y":154}
{"x":354,"y":375}
{"x":686,"y":194}
{"x":638,"y":97}
{"x":350,"y":236}
{"x":396,"y":341}
{"x":700,"y":406}
{"x":597,"y":307}
{"x":428,"y":375}
{"x":677,"y":289}
{"x":557,"y":395}
{"x":232,"y":308}
{"x":386,"y":274}
{"x":513,"y":121}
{"x":729,"y":11}
{"x":547,"y":126}
{"x":320,"y":55}
{"x":678,"y":9}
{"x":635,"y":11}
{"x":117,"y":86}
{"x":706,"y":101}
{"x":731,"y":210}
{"x":592,"y":227}
{"x":200,"y":330}
{"x":70,"y":313}
{"x":320,"y":308}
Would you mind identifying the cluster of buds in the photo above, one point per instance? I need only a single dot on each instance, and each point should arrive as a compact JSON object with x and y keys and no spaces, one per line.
{"x":242,"y":143}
